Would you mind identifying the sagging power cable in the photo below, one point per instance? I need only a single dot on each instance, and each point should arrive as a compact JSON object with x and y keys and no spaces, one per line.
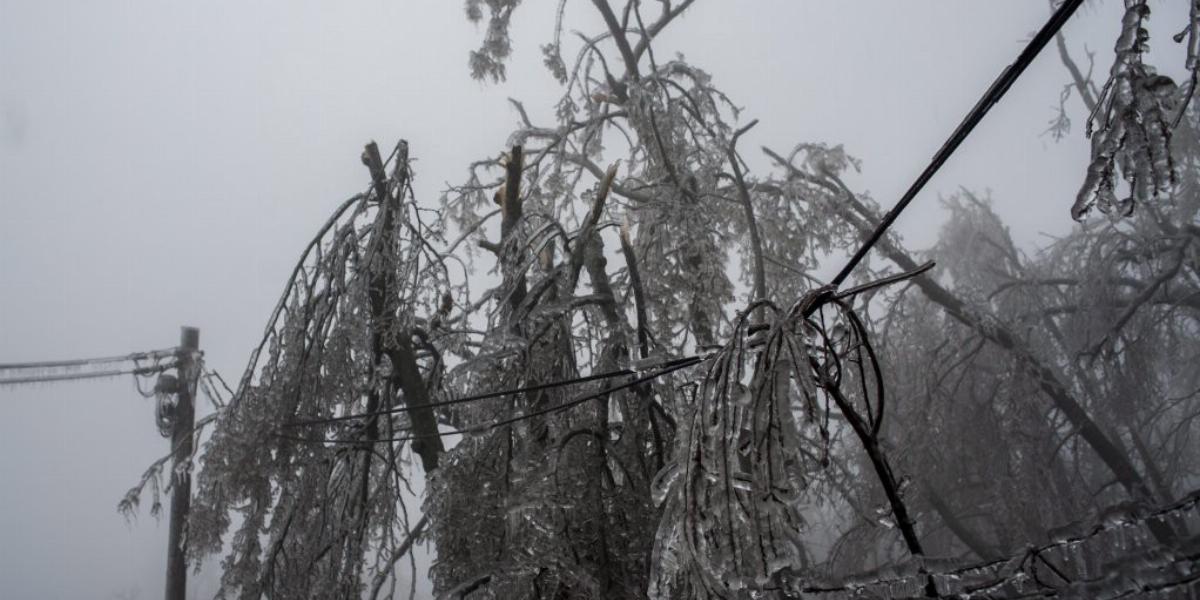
{"x":484,"y":427}
{"x":686,"y":361}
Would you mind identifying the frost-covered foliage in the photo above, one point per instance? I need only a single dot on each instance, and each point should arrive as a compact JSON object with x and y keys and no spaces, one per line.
{"x":756,"y":436}
{"x":1111,"y":309}
{"x":1032,"y":479}
{"x":318,"y":502}
{"x":631,"y":414}
{"x":731,"y":520}
{"x":562,"y":493}
{"x":488,"y":61}
{"x":1053,"y":373}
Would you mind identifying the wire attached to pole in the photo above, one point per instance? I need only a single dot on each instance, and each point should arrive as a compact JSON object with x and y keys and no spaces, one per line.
{"x":81,"y":362}
{"x":87,"y":375}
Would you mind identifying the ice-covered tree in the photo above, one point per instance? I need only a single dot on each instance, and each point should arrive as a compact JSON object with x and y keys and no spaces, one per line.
{"x":657,"y":399}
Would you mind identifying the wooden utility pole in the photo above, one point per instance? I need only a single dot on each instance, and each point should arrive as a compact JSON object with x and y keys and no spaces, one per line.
{"x":181,"y":478}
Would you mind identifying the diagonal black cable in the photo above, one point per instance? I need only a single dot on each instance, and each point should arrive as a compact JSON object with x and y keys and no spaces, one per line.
{"x":981,"y":108}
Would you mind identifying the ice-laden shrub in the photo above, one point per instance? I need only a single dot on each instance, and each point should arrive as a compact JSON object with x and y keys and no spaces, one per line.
{"x":745,"y":452}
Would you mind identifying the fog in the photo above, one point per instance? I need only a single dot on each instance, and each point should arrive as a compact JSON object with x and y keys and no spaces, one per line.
{"x":163,"y":163}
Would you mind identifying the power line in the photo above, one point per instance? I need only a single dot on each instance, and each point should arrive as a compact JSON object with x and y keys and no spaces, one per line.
{"x":88,"y":375}
{"x":685,"y":361}
{"x":73,"y":369}
{"x":80,"y":362}
{"x":483,"y":427}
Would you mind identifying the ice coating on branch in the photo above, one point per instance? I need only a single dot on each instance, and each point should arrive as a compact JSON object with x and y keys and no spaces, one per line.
{"x":488,"y":61}
{"x":731,"y":525}
{"x":1132,"y":123}
{"x":663,"y":482}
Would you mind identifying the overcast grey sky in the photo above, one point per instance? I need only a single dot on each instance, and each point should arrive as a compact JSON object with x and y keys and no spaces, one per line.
{"x":163,"y":162}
